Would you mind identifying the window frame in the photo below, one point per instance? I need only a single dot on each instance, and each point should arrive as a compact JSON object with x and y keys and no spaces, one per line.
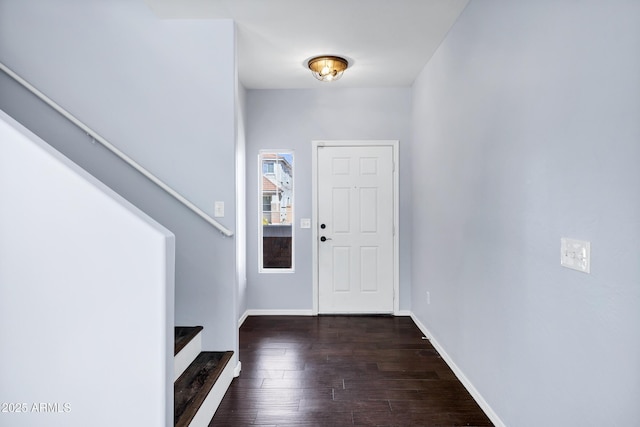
{"x":260,"y":216}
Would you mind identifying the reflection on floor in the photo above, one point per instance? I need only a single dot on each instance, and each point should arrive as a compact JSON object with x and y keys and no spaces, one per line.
{"x":342,"y":371}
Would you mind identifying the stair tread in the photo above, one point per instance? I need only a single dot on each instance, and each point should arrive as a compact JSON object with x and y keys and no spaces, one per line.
{"x":184,"y":334}
{"x":193,"y":386}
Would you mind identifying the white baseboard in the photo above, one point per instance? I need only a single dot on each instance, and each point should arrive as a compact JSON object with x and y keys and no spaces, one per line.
{"x":279,"y":313}
{"x":236,"y":371}
{"x":259,"y":312}
{"x":243,"y":318}
{"x":420,"y":326}
{"x":273,"y":313}
{"x":460,"y":375}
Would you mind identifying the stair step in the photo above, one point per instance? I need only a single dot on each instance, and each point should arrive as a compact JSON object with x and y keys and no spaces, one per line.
{"x":193,"y":386}
{"x":184,"y":334}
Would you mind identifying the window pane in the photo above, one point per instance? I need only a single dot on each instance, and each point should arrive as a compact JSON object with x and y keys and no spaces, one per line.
{"x":276,"y":198}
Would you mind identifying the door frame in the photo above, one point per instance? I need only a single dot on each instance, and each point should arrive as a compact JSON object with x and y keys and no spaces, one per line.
{"x":394,"y":144}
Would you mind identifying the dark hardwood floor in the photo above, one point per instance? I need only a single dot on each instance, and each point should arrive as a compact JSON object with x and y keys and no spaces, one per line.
{"x":342,"y":371}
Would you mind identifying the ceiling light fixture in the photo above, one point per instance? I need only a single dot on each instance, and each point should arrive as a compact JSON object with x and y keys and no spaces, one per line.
{"x":327,"y":68}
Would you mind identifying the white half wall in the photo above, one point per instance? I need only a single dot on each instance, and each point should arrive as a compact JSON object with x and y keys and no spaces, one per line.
{"x":86,"y":296}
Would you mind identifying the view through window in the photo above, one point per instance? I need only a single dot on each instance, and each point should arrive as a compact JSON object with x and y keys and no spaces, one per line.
{"x":276,"y":219}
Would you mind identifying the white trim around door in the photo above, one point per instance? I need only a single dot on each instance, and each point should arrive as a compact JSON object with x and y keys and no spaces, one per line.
{"x":396,"y":210}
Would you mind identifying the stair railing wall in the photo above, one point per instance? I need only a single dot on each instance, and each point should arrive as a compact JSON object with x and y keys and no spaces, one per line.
{"x":89,"y":283}
{"x":93,"y":134}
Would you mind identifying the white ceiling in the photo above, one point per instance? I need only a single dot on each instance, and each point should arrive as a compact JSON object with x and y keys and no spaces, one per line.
{"x":387,"y":42}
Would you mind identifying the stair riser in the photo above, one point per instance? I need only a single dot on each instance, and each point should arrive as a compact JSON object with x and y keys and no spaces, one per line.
{"x":183,"y":359}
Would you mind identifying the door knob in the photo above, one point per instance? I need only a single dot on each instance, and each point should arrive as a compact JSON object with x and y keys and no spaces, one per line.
{"x":324,"y":239}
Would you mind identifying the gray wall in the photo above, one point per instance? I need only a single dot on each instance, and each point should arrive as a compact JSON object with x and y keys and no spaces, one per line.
{"x":525,"y":130}
{"x":291,"y":119}
{"x":162,"y":91}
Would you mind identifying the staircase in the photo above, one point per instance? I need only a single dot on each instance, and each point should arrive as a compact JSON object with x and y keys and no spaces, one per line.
{"x":201,"y":378}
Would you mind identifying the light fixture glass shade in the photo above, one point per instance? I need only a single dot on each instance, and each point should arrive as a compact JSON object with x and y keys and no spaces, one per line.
{"x":327,"y":68}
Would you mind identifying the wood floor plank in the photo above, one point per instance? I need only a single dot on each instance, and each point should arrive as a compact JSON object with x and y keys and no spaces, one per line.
{"x":342,"y":371}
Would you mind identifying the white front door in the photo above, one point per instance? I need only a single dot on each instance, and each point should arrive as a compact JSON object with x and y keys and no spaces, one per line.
{"x":355,"y":229}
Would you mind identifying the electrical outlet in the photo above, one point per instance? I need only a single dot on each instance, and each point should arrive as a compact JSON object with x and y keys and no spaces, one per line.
{"x":575,"y":254}
{"x":428,"y":297}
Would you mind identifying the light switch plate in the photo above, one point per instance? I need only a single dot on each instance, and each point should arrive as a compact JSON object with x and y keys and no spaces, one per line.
{"x":218,"y":210}
{"x":305,"y":223}
{"x":575,"y":254}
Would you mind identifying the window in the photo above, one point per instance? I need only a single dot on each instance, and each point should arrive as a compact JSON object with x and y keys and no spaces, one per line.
{"x":276,"y":215}
{"x":267,"y":167}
